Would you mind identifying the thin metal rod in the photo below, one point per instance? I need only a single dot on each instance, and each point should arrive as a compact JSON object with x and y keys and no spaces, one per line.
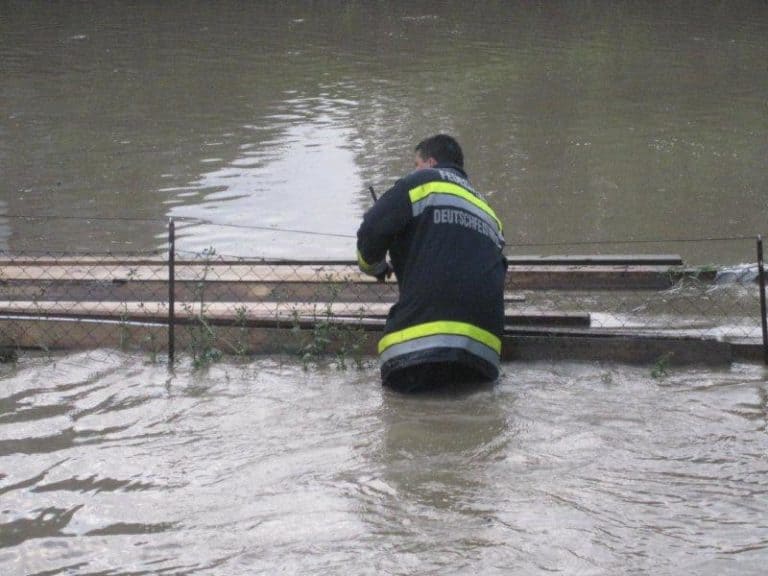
{"x":171,"y":290}
{"x":761,"y":278}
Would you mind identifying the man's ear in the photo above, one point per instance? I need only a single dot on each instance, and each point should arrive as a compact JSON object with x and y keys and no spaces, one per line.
{"x":432,"y":162}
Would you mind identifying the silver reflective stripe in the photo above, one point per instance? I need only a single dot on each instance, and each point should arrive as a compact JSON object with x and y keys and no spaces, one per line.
{"x":441,"y":341}
{"x":437,"y":200}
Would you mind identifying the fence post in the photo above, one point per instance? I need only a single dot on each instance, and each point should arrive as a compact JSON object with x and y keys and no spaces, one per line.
{"x":171,"y":290}
{"x":761,"y":278}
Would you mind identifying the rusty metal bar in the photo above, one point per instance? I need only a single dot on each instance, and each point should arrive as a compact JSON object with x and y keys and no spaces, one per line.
{"x":171,"y":290}
{"x":761,"y":278}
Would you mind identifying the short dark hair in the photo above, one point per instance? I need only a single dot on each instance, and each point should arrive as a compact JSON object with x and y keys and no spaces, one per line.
{"x":442,"y":148}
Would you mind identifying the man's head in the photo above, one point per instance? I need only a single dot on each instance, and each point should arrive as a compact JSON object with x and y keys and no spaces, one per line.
{"x":438,"y":149}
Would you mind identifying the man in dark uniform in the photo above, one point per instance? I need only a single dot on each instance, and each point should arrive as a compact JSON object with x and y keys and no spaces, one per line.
{"x":445,"y":244}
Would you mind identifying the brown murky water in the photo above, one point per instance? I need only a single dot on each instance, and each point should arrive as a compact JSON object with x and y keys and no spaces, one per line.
{"x":584,"y":121}
{"x":109,"y":466}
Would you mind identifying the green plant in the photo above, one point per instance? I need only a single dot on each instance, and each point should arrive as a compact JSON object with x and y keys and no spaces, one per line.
{"x":352,"y":341}
{"x":8,"y":354}
{"x":202,"y":336}
{"x":320,"y":339}
{"x":660,"y":368}
{"x":331,"y":334}
{"x":241,"y":345}
{"x":125,"y":333}
{"x":202,"y":340}
{"x":38,"y":343}
{"x":151,"y":340}
{"x":682,"y":277}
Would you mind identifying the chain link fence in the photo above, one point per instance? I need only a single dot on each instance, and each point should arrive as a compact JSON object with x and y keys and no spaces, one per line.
{"x":202,"y":305}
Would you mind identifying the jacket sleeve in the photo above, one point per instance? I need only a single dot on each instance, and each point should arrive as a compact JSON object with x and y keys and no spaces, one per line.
{"x":381,"y":223}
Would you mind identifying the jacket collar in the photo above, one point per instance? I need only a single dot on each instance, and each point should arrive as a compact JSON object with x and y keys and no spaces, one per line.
{"x":453,"y":167}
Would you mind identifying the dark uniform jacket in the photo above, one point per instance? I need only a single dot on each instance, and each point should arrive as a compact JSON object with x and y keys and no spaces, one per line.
{"x":445,"y":244}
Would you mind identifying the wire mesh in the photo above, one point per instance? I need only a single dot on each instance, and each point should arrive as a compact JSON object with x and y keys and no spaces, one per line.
{"x":235,"y":305}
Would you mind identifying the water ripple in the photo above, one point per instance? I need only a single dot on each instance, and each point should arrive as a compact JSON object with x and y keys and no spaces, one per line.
{"x":253,"y":468}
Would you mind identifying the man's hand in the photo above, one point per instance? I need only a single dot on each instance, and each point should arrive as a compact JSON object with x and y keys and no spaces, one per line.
{"x":386,"y":274}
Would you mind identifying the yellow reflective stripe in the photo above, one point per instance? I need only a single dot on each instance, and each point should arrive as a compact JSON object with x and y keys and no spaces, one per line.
{"x":364,"y":266}
{"x":421,"y":192}
{"x":362,"y":263}
{"x":440,"y":327}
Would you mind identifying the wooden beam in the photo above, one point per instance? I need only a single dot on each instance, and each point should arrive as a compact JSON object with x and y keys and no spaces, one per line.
{"x":527,"y":274}
{"x":598,"y":260}
{"x":228,"y":291}
{"x":608,"y":277}
{"x":251,"y":283}
{"x":160,"y":259}
{"x":625,"y":348}
{"x":255,"y":314}
{"x":148,"y":338}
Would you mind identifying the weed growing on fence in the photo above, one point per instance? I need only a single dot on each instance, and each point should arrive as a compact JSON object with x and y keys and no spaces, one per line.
{"x":202,"y":336}
{"x":125,"y":334}
{"x":8,"y":355}
{"x":320,"y":339}
{"x":660,"y":368}
{"x":151,"y":341}
{"x":352,"y":342}
{"x":331,"y":333}
{"x":241,"y":344}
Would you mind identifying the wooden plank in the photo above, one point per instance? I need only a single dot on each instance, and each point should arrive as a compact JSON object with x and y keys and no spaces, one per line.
{"x":513,"y":297}
{"x":66,"y":334}
{"x":247,"y":314}
{"x":161,"y":260}
{"x":133,"y":291}
{"x":607,"y":277}
{"x":303,"y":282}
{"x":745,"y":350}
{"x":212,"y":291}
{"x":627,"y":348}
{"x":84,"y":260}
{"x":188,"y":273}
{"x":598,"y":260}
{"x":522,"y":274}
{"x":151,"y":339}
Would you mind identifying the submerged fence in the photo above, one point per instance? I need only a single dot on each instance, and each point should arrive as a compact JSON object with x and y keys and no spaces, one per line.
{"x":200,"y":305}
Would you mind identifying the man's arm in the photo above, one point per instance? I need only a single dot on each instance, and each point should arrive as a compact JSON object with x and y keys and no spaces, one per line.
{"x":388,"y":216}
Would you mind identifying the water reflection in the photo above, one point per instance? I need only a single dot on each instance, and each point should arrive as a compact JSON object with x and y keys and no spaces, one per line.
{"x":303,"y":176}
{"x":432,"y":489}
{"x":584,"y":121}
{"x":432,"y":445}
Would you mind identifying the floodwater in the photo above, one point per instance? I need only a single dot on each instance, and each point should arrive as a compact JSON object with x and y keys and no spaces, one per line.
{"x":584,"y":122}
{"x":588,"y":124}
{"x":111,"y":466}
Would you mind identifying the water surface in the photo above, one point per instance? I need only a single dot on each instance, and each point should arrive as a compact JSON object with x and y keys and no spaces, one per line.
{"x":109,"y":465}
{"x":583,"y":122}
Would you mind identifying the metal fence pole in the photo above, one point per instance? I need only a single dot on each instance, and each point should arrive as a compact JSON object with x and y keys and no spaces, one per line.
{"x":761,"y":278}
{"x":171,"y":290}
